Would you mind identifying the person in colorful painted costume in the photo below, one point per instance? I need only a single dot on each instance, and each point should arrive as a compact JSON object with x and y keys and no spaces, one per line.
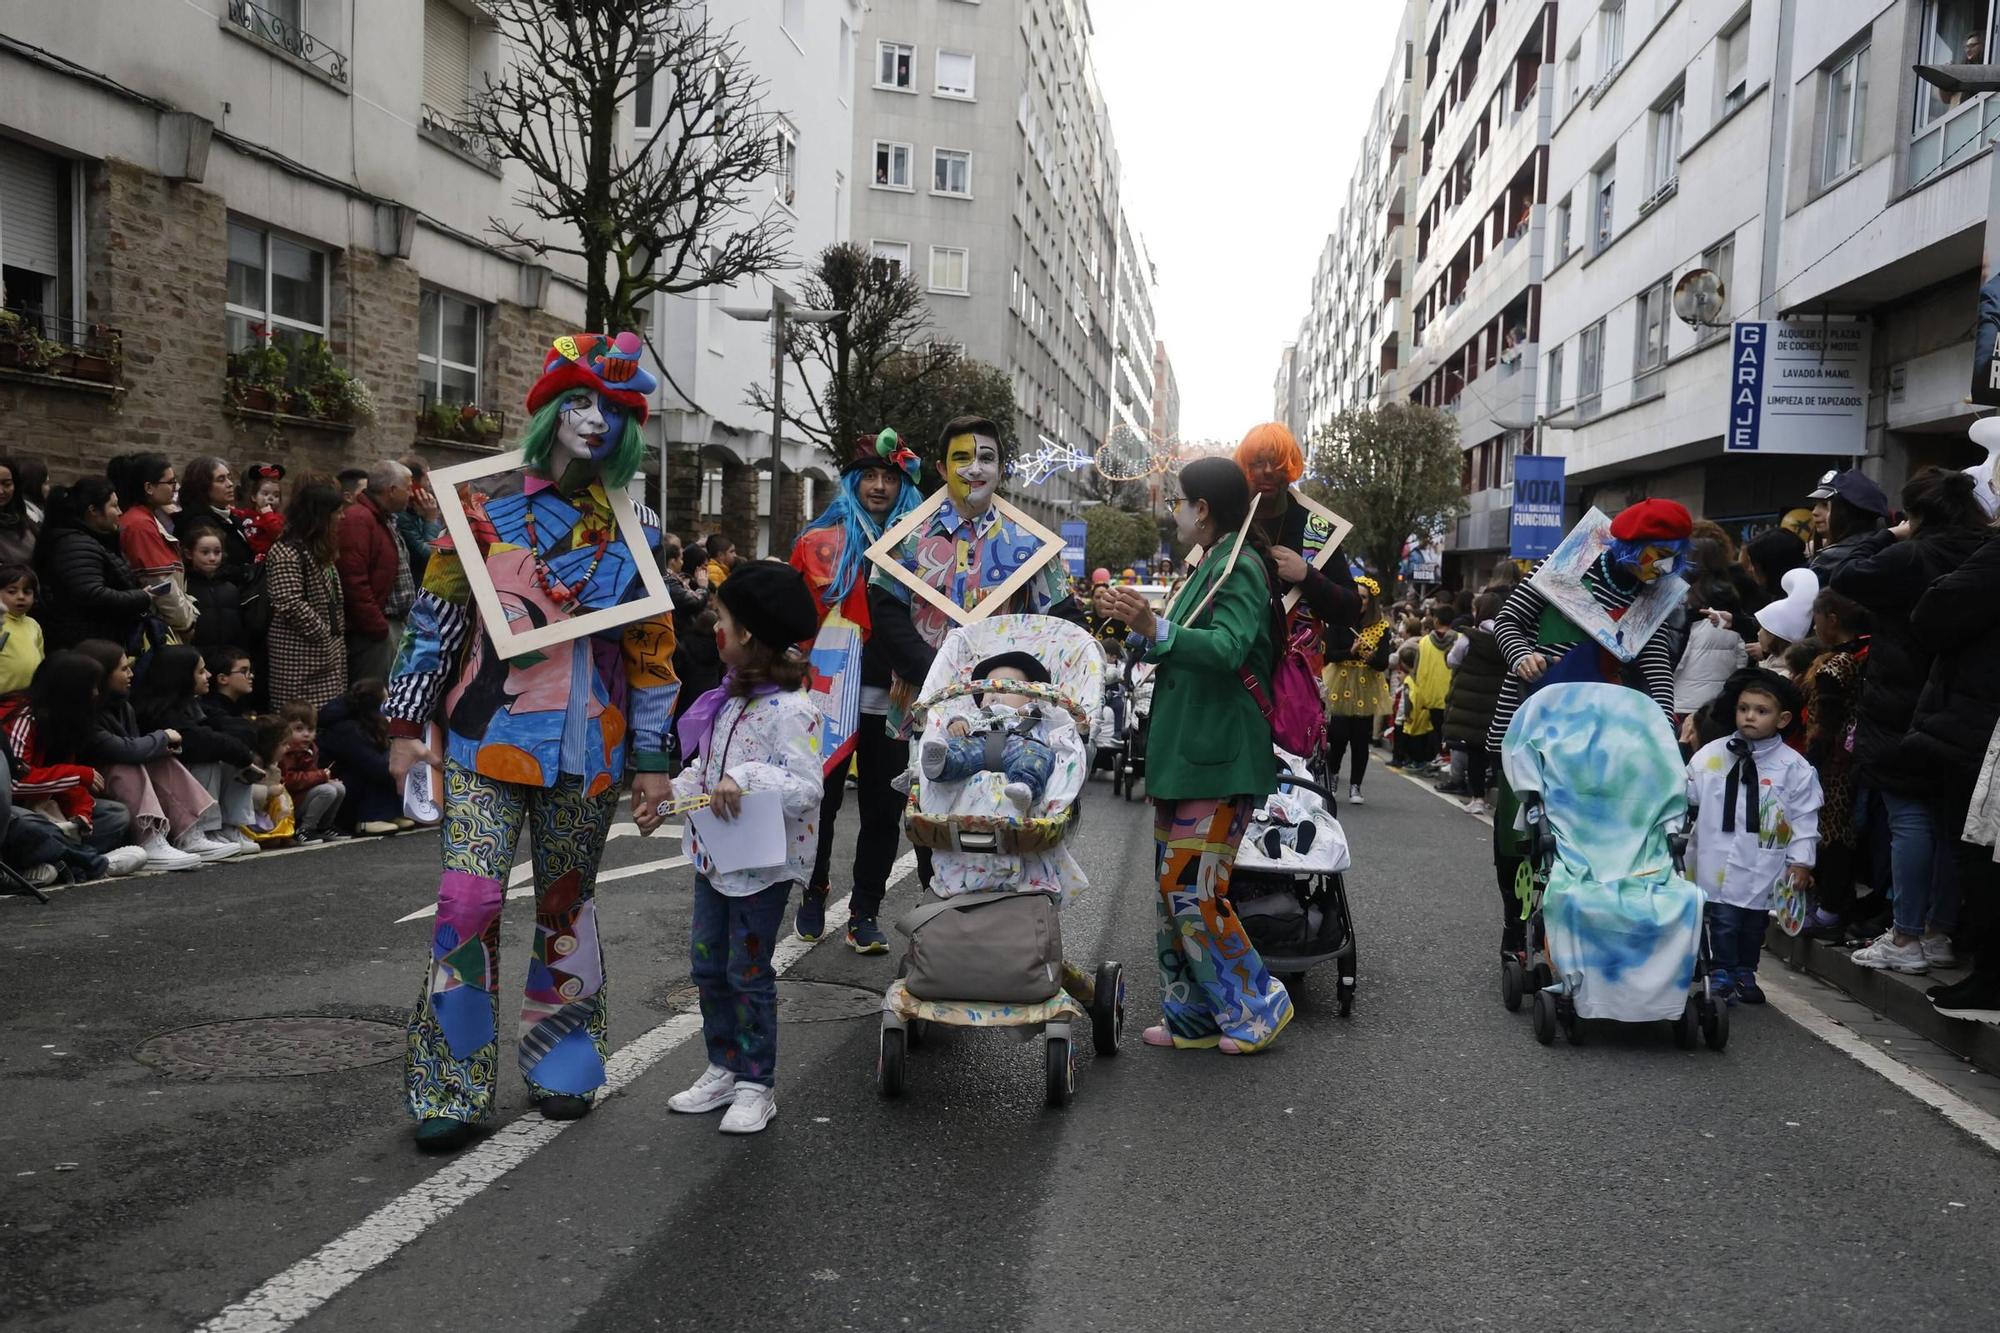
{"x":1648,"y":551}
{"x":878,"y":486}
{"x":542,"y":740}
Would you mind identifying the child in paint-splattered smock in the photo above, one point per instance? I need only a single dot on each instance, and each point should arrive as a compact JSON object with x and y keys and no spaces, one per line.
{"x":1758,"y":822}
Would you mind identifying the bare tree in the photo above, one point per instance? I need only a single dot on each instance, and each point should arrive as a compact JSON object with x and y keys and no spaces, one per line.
{"x":672,"y":216}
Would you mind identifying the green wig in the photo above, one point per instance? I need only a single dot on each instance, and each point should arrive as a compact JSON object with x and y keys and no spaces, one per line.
{"x":539,"y":442}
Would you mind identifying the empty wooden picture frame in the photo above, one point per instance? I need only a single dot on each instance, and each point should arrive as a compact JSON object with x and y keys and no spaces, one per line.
{"x":508,"y":642}
{"x":883,"y":556}
{"x":1337,"y":529}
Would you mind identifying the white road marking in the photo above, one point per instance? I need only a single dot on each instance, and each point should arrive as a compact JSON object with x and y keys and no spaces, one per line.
{"x":313,"y":1281}
{"x":1780,"y":988}
{"x":520,"y":878}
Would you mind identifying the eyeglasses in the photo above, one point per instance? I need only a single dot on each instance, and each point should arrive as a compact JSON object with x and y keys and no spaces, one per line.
{"x":1174,"y":505}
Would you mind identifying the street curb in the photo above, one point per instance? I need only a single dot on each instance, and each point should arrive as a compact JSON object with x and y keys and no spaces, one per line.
{"x":1898,"y":996}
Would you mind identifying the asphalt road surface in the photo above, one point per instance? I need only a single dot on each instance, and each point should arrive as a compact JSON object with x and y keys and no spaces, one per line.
{"x":1420,"y":1165}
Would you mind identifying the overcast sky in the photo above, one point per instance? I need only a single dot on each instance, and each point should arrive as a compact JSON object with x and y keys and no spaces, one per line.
{"x":1237,"y":125}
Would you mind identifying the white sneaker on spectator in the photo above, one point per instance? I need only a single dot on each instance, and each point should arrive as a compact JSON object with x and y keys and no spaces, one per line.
{"x":1938,"y":951}
{"x":711,"y":1092}
{"x":244,"y":842}
{"x":160,"y":855}
{"x":126,"y":860}
{"x":198,"y":843}
{"x":1354,"y":794}
{"x":1885,"y":955}
{"x":1475,"y":806}
{"x":751,"y":1111}
{"x":42,"y":875}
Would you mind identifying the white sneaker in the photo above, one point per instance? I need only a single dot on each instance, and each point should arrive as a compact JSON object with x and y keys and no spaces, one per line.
{"x":1938,"y":951}
{"x":751,"y":1111}
{"x":711,"y":1092}
{"x":1886,"y":955}
{"x":41,"y":876}
{"x":1475,"y":806}
{"x":198,"y":843}
{"x":246,"y":844}
{"x":160,"y":855}
{"x":1354,"y":795}
{"x":124,"y":860}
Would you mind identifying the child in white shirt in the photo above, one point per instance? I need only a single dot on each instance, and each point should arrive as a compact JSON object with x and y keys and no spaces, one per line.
{"x":1757,"y":806}
{"x":757,"y":731}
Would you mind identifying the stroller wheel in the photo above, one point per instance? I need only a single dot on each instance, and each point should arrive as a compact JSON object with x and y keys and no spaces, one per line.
{"x":1545,"y":1018}
{"x":1572,"y":1025}
{"x":1513,"y":984}
{"x":1061,"y":1071}
{"x":1715,"y":1027}
{"x":1107,"y":1009}
{"x":918,"y":1032}
{"x":1346,"y":1001}
{"x":1295,"y":986}
{"x":891,"y":1065}
{"x":1687,"y":1028}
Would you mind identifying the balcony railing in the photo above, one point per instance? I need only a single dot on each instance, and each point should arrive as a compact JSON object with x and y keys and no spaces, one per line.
{"x":46,"y":344}
{"x":458,"y":133}
{"x":289,"y":37}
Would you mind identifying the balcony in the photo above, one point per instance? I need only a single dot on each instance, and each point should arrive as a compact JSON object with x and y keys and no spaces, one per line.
{"x":284,"y":34}
{"x":456,"y":135}
{"x":50,"y":348}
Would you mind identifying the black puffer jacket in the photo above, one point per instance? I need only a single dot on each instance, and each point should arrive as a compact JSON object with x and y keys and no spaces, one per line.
{"x":88,"y":591}
{"x":1889,"y":578}
{"x":1475,"y":690}
{"x":1959,"y":621}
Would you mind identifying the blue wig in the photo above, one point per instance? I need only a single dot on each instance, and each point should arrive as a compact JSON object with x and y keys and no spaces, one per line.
{"x":862,"y":531}
{"x":1629,"y":553}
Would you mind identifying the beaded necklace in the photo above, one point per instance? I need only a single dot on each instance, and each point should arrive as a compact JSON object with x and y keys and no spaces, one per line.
{"x":559,"y":592}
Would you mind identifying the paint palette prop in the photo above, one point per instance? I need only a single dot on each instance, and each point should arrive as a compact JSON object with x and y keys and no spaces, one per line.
{"x":1790,"y":906}
{"x":1325,"y":531}
{"x":502,"y":587}
{"x":884,"y":556}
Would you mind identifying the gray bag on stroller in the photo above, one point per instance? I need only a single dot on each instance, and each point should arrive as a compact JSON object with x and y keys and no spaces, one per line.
{"x":997,"y":948}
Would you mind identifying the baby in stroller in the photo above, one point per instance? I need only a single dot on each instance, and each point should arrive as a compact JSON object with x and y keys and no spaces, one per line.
{"x":985,"y":948}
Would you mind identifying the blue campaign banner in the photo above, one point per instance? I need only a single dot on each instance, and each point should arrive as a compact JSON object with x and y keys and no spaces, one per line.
{"x":1537,"y":521}
{"x":1073,"y":534}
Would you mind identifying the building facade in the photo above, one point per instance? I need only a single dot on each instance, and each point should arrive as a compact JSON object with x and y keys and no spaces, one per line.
{"x":984,"y":163}
{"x":327,"y":204}
{"x":1133,"y":340}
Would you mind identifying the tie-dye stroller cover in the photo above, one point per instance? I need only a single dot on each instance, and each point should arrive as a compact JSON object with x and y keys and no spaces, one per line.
{"x":1623,"y":926}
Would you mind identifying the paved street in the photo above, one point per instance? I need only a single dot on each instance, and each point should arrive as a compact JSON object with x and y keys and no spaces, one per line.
{"x":1421,"y":1165}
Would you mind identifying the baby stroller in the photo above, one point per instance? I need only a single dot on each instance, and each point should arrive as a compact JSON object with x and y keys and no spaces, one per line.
{"x":1289,"y":883}
{"x":1107,"y":738}
{"x":1614,"y":929}
{"x":999,"y":877}
{"x":1131,"y":760}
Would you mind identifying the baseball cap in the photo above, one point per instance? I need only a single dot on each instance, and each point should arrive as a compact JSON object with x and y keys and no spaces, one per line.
{"x":1855,"y":487}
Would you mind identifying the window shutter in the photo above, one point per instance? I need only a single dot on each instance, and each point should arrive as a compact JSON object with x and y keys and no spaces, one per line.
{"x":447,"y":56}
{"x":30,"y":208}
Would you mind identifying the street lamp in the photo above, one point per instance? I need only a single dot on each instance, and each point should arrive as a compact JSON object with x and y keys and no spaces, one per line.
{"x":781,"y":309}
{"x":1965,"y":80}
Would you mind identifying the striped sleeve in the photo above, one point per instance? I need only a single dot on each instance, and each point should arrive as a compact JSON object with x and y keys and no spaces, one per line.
{"x":434,"y":639}
{"x":1655,"y":664}
{"x":1519,"y":622}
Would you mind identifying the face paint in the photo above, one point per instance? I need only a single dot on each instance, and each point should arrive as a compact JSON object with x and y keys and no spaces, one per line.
{"x":1655,"y":563}
{"x":589,"y":427}
{"x":972,"y":471}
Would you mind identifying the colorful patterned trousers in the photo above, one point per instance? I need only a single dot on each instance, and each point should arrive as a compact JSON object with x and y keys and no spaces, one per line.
{"x":452,"y":1062}
{"x":1213,"y":984}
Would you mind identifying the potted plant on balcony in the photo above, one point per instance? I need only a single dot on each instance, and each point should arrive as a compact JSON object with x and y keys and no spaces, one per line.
{"x":98,"y":356}
{"x":330,"y":391}
{"x":464,"y":422}
{"x":20,"y":345}
{"x":256,"y":380}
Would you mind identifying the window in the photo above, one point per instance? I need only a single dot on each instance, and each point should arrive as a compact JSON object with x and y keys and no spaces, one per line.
{"x":954,"y":74}
{"x":275,"y":282}
{"x":891,"y":259}
{"x":795,"y":18}
{"x":447,"y":58}
{"x":1603,"y":192}
{"x":1559,"y":232}
{"x":1947,"y":126}
{"x":1572,"y":76}
{"x":948,"y":269}
{"x":1555,"y":394}
{"x":1719,"y":259}
{"x":1732,"y":68}
{"x":1590,"y":372}
{"x":895,"y":65}
{"x":1844,"y":100}
{"x":38,"y":225}
{"x":644,"y":75}
{"x":892,"y":166}
{"x":1649,"y":345}
{"x":1667,"y":118}
{"x":1610,"y":37}
{"x":951,"y":172}
{"x":448,"y":348}
{"x":786,"y":143}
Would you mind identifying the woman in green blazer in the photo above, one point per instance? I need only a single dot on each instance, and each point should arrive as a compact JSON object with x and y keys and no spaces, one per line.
{"x":1208,"y":765}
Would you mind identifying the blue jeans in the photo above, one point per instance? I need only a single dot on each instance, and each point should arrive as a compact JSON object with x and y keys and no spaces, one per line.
{"x":729,"y":958}
{"x":1736,"y":937}
{"x":1925,"y":883}
{"x":1023,"y":759}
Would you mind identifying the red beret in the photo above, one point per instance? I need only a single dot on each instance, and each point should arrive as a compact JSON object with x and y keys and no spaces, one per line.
{"x":1653,"y":521}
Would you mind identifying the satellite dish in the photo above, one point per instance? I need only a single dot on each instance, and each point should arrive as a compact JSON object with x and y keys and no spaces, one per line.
{"x":1698,"y":298}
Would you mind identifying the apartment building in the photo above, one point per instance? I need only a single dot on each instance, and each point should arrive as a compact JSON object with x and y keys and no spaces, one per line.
{"x":1133,"y":340}
{"x":984,"y":162}
{"x":1166,"y":396}
{"x":181,"y":183}
{"x":717,"y":447}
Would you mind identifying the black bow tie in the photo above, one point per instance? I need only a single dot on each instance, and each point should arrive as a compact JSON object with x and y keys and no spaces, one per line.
{"x":1744,"y":772}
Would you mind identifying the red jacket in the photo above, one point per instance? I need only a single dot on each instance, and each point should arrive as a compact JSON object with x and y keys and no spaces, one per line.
{"x":299,"y":767}
{"x":366,"y":558}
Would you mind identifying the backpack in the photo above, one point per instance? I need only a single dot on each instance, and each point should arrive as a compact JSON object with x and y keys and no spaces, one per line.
{"x":1292,"y":705}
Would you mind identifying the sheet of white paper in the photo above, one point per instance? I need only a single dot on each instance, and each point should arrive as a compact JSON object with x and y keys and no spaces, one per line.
{"x":754,"y":840}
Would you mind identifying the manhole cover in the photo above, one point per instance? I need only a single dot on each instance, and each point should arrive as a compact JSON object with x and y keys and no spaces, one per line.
{"x":824,"y":1002}
{"x":273,"y":1047}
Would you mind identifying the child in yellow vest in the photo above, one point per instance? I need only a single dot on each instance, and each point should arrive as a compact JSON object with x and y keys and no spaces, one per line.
{"x":1430,"y":687}
{"x":20,"y":633}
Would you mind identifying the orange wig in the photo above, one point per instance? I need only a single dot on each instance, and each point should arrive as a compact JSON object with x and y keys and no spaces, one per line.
{"x":1271,"y":444}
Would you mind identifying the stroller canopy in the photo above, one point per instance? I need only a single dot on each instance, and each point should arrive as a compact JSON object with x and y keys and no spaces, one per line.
{"x":1075,"y":667}
{"x":1608,"y":770}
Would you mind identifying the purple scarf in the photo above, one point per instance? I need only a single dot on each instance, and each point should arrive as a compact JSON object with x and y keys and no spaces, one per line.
{"x":697,"y":725}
